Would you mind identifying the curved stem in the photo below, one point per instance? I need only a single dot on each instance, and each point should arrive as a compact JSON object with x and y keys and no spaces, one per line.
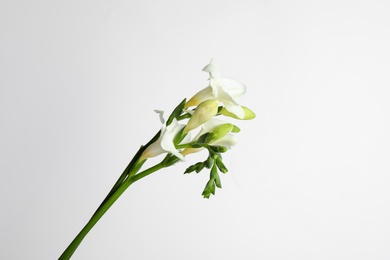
{"x":132,"y":168}
{"x":94,"y":219}
{"x":107,"y":203}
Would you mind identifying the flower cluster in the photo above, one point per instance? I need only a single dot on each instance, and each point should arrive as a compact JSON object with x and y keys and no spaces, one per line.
{"x":197,"y":115}
{"x":219,"y":98}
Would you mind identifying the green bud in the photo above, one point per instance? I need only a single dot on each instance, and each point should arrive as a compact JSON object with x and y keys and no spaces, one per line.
{"x":209,"y":189}
{"x":209,"y":162}
{"x":214,"y":175}
{"x":220,"y":165}
{"x":220,"y":131}
{"x":200,"y":166}
{"x":248,"y":114}
{"x":190,"y":169}
{"x":217,"y":181}
{"x":236,"y":129}
{"x":218,"y":149}
{"x":176,"y":112}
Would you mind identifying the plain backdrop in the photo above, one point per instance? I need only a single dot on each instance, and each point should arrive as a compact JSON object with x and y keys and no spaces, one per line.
{"x":309,"y":178}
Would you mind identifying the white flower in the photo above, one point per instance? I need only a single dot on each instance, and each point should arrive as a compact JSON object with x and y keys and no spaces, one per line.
{"x":227,"y":91}
{"x":164,"y":143}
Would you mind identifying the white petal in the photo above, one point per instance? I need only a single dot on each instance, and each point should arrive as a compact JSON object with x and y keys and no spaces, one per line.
{"x":155,"y":148}
{"x":208,"y":126}
{"x":201,"y":96}
{"x":186,"y":139}
{"x":168,"y":136}
{"x":212,"y":69}
{"x":214,"y":86}
{"x":227,"y":141}
{"x":234,"y":88}
{"x":213,"y":123}
{"x":161,"y":114}
{"x":230,"y":104}
{"x":235,"y":109}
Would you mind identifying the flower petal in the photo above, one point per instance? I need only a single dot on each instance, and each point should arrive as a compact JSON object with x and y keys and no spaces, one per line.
{"x":161,"y":114}
{"x":168,"y":136}
{"x":201,"y":96}
{"x":234,"y":88}
{"x":227,"y":141}
{"x":230,"y":104}
{"x":212,"y":69}
{"x":235,"y":109}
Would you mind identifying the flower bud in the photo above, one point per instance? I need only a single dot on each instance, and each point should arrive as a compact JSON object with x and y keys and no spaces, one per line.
{"x":220,"y":131}
{"x":248,"y":114}
{"x":199,"y":97}
{"x":203,"y":113}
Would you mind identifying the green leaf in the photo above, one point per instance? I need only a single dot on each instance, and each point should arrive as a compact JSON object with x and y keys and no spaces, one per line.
{"x":176,"y":112}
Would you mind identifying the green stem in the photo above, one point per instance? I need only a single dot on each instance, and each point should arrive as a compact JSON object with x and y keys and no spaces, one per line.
{"x":108,"y":202}
{"x":132,"y":168}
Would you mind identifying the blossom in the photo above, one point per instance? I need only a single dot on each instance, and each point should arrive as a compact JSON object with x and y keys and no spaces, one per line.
{"x":165,"y":141}
{"x":227,"y":91}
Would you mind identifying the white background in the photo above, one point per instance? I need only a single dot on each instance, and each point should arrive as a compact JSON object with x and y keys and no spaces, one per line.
{"x":309,"y":178}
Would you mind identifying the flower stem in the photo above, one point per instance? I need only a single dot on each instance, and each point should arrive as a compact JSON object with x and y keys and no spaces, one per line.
{"x":107,"y":203}
{"x":94,"y":219}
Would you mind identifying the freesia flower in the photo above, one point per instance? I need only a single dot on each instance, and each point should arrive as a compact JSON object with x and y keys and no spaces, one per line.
{"x":220,"y":97}
{"x":164,"y":143}
{"x":227,"y":91}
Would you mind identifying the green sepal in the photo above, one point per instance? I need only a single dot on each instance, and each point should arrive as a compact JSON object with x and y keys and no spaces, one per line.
{"x":218,"y":149}
{"x":170,"y":160}
{"x":179,"y":137}
{"x":196,"y":145}
{"x":206,"y":138}
{"x":184,"y":116}
{"x":176,"y":112}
